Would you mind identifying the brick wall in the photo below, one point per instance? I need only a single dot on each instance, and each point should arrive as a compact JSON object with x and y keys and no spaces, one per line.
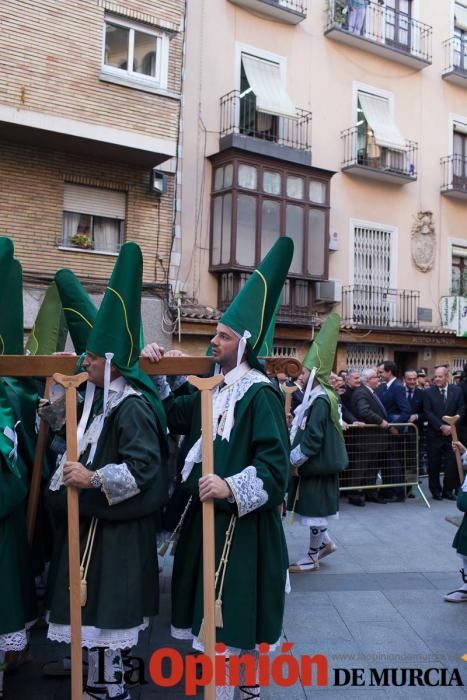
{"x":31,"y":208}
{"x":50,"y":60}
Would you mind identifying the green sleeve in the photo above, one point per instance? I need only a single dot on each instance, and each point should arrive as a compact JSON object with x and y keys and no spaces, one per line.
{"x":137,"y":444}
{"x":13,"y":490}
{"x":179,"y":411}
{"x":462,"y":501}
{"x":312,"y":438}
{"x":270,"y":445}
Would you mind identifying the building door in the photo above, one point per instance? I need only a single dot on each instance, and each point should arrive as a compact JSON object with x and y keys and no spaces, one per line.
{"x":398,"y":23}
{"x":405,"y":360}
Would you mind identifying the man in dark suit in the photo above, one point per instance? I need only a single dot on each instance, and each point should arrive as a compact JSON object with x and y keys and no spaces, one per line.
{"x":352,"y":382}
{"x":393,"y":397}
{"x":413,"y":438}
{"x":352,"y":437}
{"x":442,"y":399}
{"x":368,"y":409}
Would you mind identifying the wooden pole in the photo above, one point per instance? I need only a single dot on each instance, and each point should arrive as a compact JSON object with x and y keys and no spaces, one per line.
{"x":71,"y":384}
{"x":36,"y":476}
{"x":452,"y":420}
{"x":206,"y":386}
{"x":288,"y":391}
{"x":47,"y":365}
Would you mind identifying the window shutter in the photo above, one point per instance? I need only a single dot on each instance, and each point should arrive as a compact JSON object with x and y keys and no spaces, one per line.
{"x":379,"y":117}
{"x":264,"y":78}
{"x":95,"y":201}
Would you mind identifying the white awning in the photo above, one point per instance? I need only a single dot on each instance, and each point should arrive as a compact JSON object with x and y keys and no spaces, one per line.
{"x":460,"y":13}
{"x":460,"y":128}
{"x":81,"y":199}
{"x":379,"y":117}
{"x":265,"y":80}
{"x":459,"y":251}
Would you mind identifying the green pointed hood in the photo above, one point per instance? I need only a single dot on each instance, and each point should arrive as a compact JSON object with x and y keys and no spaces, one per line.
{"x":80,"y":311}
{"x":117,"y":327}
{"x":11,"y":285}
{"x":268,"y":342}
{"x":48,"y":334}
{"x":321,"y":355}
{"x":254,"y":306}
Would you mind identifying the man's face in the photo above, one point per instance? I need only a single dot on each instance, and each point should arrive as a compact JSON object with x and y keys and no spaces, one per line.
{"x":441,"y":377}
{"x":384,"y":374}
{"x":332,"y":380}
{"x":353,"y":380}
{"x":303,"y":377}
{"x":421,"y":381}
{"x":340,"y":385}
{"x":372,"y":380}
{"x":224,"y":347}
{"x":410,"y":380}
{"x":94,"y":366}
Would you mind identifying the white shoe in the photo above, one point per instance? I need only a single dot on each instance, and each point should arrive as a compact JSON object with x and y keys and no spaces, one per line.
{"x":456,"y":597}
{"x":327,"y":549}
{"x":301,"y":567}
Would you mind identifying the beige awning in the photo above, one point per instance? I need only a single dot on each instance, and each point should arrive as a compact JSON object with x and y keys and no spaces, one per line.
{"x":94,"y":200}
{"x":265,"y":80}
{"x":379,"y":117}
{"x":460,"y":13}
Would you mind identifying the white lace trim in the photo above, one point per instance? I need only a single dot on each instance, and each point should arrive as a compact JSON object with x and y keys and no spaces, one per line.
{"x":96,"y":637}
{"x":237,"y":381}
{"x":118,"y":483}
{"x":464,"y":485}
{"x":299,"y":421}
{"x":13,"y":641}
{"x":306,"y":521}
{"x":92,"y":434}
{"x":186,"y":634}
{"x":297,"y":458}
{"x":248,"y":491}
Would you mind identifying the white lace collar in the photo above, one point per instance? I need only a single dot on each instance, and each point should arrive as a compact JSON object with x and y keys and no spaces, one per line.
{"x":237,"y":383}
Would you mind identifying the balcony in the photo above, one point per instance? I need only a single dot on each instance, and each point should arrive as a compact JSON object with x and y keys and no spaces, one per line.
{"x":455,"y":61}
{"x":454,"y":183}
{"x":364,"y":158}
{"x":380,"y":307}
{"x":244,"y":127}
{"x":385,"y":32}
{"x":289,"y":11}
{"x":296,"y":297}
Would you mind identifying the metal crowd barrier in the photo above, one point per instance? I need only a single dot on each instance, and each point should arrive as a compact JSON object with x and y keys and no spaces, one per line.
{"x":382,"y":458}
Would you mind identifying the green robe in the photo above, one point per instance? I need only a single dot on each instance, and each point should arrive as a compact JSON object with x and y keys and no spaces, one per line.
{"x":17,"y":594}
{"x":254,"y":587}
{"x":460,"y":539}
{"x":122,"y":580}
{"x":318,"y":483}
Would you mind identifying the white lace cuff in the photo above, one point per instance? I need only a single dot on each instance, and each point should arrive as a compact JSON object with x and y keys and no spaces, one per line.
{"x":248,"y":491}
{"x":297,"y":458}
{"x":118,"y":483}
{"x":175,"y":382}
{"x":162,"y":386}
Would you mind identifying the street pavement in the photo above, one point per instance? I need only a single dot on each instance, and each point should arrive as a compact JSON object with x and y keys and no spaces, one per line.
{"x":376,"y":603}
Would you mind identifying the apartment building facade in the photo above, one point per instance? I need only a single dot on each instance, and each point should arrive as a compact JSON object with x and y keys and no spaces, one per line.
{"x":90,"y":99}
{"x":346,"y":129}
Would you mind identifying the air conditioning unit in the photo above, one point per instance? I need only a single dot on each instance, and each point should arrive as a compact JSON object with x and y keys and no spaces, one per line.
{"x":330,"y":291}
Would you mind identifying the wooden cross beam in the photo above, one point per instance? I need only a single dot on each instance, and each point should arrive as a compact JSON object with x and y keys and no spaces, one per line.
{"x":47,"y":365}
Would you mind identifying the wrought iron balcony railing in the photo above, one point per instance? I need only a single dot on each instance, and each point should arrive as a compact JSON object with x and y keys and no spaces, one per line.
{"x":454,"y":174}
{"x":380,"y":307}
{"x":360,"y":151}
{"x":240,"y":116}
{"x":289,"y":11}
{"x":455,"y":60}
{"x":382,"y":26}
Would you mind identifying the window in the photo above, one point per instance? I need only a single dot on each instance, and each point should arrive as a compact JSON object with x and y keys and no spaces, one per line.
{"x":379,"y":142}
{"x":372,"y":298}
{"x":254,"y":202}
{"x":398,"y":23}
{"x":93,"y":218}
{"x":459,"y":271}
{"x":459,"y":161}
{"x":135,"y":53}
{"x":360,"y":356}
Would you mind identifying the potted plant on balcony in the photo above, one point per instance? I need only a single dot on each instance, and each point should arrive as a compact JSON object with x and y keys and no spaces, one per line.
{"x":81,"y":240}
